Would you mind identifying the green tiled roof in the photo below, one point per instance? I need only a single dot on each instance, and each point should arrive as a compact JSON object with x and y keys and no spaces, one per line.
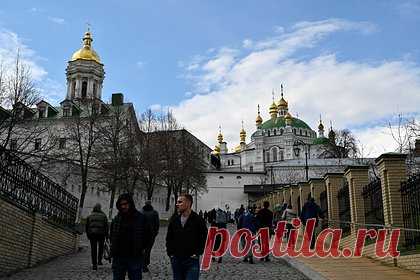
{"x":321,"y":140}
{"x":279,"y":122}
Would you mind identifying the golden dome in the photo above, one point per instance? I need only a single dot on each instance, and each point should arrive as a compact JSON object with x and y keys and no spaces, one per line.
{"x":288,"y":116}
{"x":237,"y":149}
{"x":216,"y":150}
{"x":220,"y":137}
{"x":86,"y":52}
{"x":320,"y":126}
{"x":258,"y":120}
{"x":273,"y":109}
{"x":242,"y":135}
{"x":282,"y":103}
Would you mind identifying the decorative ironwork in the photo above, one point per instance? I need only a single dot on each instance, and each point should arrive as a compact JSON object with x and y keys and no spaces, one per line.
{"x":372,"y":196}
{"x":32,"y":191}
{"x":344,"y":208}
{"x":410,"y":195}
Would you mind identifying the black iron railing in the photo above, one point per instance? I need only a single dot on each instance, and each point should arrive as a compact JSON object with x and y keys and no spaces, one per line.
{"x":410,"y":195}
{"x":324,"y":206}
{"x":344,"y":208}
{"x":32,"y":191}
{"x":372,"y":196}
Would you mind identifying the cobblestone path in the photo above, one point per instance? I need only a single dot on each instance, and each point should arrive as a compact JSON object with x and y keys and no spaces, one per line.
{"x":77,"y":266}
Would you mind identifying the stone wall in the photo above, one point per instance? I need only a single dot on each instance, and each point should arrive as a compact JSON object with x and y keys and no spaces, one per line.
{"x":26,"y":239}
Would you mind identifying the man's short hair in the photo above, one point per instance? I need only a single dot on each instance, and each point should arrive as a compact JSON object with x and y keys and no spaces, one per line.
{"x":187,"y":197}
{"x":266,"y":204}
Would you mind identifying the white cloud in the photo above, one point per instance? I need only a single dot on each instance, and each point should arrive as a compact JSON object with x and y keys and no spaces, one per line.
{"x":156,"y":107}
{"x":10,"y":45}
{"x":228,"y":86}
{"x":57,"y":20}
{"x":140,"y":64}
{"x":409,"y":9}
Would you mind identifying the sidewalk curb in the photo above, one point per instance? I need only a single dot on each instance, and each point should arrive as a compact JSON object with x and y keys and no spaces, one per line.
{"x":304,"y":269}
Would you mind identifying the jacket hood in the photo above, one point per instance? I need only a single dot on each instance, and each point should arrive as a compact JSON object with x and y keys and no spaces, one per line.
{"x":148,"y":207}
{"x":97,"y":208}
{"x":129,"y":198}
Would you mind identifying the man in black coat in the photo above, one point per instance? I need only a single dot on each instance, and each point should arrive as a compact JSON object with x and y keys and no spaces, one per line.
{"x":185,"y":240}
{"x":265,"y":219}
{"x":130,"y":236}
{"x":97,"y":231}
{"x":311,"y":210}
{"x":152,"y":217}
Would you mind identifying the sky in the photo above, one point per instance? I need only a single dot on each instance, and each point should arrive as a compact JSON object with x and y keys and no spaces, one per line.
{"x":355,"y":63}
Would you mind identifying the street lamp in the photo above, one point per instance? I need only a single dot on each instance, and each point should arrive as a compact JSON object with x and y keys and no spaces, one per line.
{"x":296,"y":150}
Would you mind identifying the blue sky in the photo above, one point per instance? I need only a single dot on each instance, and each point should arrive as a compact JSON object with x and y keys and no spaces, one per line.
{"x":190,"y":55}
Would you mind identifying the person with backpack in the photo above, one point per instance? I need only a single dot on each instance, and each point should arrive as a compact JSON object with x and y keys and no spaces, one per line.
{"x":248,"y":220}
{"x":311,"y":210}
{"x":288,"y":216}
{"x":152,"y":218}
{"x":220,"y":222}
{"x":97,"y":231}
{"x":265,"y":220}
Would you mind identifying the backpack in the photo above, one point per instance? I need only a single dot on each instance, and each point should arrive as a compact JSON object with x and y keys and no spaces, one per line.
{"x":221,"y":217}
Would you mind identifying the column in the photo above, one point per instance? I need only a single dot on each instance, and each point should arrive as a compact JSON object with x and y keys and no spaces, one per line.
{"x":333,"y":182}
{"x":317,"y":187}
{"x":304,"y":191}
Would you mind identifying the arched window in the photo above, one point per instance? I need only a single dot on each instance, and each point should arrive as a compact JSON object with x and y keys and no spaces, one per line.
{"x":269,"y":133}
{"x":281,"y":131}
{"x":94,"y":89}
{"x":267,"y":156}
{"x":275,"y":131}
{"x":84,"y":89}
{"x":73,"y":89}
{"x":251,"y":169}
{"x":274,"y":153}
{"x":281,"y":155}
{"x":232,"y":162}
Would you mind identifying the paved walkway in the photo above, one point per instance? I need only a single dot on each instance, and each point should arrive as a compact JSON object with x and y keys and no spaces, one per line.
{"x":78,"y":267}
{"x":356,"y":268}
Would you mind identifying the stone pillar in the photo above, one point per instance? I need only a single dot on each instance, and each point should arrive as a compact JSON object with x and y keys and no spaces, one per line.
{"x":393,"y":171}
{"x":333,"y":182}
{"x":286,"y":194}
{"x":317,"y":186}
{"x":294,"y":193}
{"x":358,"y":177}
{"x":280,"y":198}
{"x":304,"y":191}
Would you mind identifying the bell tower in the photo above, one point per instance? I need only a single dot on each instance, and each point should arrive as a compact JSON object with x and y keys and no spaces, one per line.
{"x":85,"y":73}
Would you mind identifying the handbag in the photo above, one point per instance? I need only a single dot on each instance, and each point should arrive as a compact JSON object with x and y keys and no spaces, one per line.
{"x":107,"y":251}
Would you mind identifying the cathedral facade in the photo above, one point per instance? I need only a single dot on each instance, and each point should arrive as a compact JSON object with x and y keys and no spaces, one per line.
{"x":282,"y":150}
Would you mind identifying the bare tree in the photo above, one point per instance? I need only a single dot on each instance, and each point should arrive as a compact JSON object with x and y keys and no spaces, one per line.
{"x":342,"y":145}
{"x":83,"y":133}
{"x":400,"y":132}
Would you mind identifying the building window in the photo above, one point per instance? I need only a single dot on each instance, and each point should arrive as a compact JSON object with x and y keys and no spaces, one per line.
{"x":267,"y":157}
{"x":275,"y":131}
{"x":84,"y":89}
{"x":268,"y":133}
{"x":238,"y":177}
{"x":37,"y":145}
{"x":281,"y":155}
{"x":274,"y":152}
{"x":221,"y":177}
{"x":73,"y":89}
{"x":251,"y":168}
{"x":94,"y":89}
{"x":13,"y":144}
{"x":66,"y":112}
{"x":41,"y":113}
{"x":232,"y":162}
{"x":62,"y":143}
{"x":281,"y":131}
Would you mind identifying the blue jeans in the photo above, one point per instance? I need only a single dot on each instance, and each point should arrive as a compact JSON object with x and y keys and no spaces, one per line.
{"x":123,"y":265}
{"x":185,"y":268}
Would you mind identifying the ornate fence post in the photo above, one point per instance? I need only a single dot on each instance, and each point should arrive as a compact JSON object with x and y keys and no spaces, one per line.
{"x":317,"y":187}
{"x":357,"y":176}
{"x":333,"y":182}
{"x":304,"y":191}
{"x":393,"y":171}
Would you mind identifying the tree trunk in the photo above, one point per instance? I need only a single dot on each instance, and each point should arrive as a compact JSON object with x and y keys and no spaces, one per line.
{"x":82,"y":195}
{"x":111,"y":200}
{"x":168,"y":198}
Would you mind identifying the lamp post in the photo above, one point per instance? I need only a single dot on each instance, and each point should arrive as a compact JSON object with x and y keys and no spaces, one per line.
{"x":296,"y":150}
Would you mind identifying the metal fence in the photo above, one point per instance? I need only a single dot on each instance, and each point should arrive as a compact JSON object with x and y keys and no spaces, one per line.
{"x":32,"y":191}
{"x":372,"y":196}
{"x":410,"y":195}
{"x":344,"y":208}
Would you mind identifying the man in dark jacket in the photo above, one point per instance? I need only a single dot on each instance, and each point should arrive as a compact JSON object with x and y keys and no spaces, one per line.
{"x":130,"y":236}
{"x":97,"y":231}
{"x":152,"y":217}
{"x":311,"y":210}
{"x":185,"y":240}
{"x":248,"y":220}
{"x":265,"y":219}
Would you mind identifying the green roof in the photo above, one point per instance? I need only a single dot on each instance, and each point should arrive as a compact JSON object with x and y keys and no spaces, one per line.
{"x":321,"y":141}
{"x":279,"y":122}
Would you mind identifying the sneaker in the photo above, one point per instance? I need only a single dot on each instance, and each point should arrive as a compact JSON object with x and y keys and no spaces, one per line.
{"x":146,"y":269}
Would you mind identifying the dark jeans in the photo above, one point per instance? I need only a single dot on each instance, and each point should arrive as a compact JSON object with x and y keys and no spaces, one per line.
{"x":185,"y":268}
{"x":148,"y":251}
{"x":95,"y":242}
{"x":218,"y":240}
{"x":123,"y":265}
